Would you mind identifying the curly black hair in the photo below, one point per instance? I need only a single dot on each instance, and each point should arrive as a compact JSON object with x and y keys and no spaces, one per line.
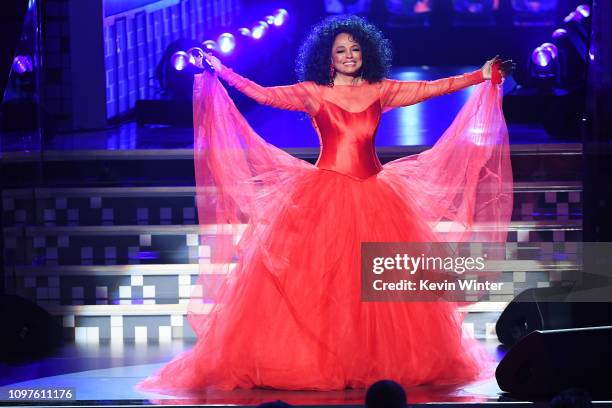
{"x":315,"y":53}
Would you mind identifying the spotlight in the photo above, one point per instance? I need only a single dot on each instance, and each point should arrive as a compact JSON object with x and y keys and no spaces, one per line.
{"x":584,"y":10}
{"x":195,"y":53}
{"x":269,"y":19}
{"x":280,"y":16}
{"x":175,"y":70}
{"x":179,"y":60}
{"x":542,"y":57}
{"x":226,"y":42}
{"x":558,"y":33}
{"x":22,"y":64}
{"x":551,"y":48}
{"x":209,"y":45}
{"x":259,"y":30}
{"x":571,"y":16}
{"x":244,"y":31}
{"x":544,"y":65}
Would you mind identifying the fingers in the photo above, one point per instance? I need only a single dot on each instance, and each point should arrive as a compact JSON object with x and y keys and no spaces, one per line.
{"x":507,"y":67}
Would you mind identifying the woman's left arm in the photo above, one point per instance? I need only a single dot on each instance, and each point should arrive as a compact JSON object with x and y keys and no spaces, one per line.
{"x":403,"y":93}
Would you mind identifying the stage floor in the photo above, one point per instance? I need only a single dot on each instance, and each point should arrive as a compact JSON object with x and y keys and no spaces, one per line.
{"x":101,"y":372}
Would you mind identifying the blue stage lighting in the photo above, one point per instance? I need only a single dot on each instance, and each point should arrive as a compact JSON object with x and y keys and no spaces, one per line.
{"x":179,"y":60}
{"x":542,"y":57}
{"x":22,"y":64}
{"x":209,"y":45}
{"x":195,"y":54}
{"x":259,"y":30}
{"x":226,"y":42}
{"x":558,"y":33}
{"x":280,"y":16}
{"x":244,"y":31}
{"x":551,"y":48}
{"x":584,"y":10}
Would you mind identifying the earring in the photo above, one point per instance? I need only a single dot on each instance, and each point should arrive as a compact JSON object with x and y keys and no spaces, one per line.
{"x":332,"y":74}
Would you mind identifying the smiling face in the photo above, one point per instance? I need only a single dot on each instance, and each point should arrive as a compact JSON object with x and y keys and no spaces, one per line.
{"x":346,"y":55}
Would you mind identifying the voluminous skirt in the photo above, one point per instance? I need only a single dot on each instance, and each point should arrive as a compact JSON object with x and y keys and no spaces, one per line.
{"x":288,"y":314}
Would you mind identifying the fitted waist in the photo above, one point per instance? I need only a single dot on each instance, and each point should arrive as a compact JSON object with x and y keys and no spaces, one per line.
{"x":356,"y":166}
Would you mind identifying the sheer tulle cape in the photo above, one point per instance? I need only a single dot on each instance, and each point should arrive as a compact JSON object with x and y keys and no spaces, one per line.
{"x":284,"y":238}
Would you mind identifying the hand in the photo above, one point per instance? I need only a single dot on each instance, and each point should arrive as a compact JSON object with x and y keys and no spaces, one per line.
{"x":505,"y":67}
{"x":214,"y":61}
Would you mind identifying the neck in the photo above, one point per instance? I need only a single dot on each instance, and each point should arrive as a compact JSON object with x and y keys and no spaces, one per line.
{"x":343,"y":79}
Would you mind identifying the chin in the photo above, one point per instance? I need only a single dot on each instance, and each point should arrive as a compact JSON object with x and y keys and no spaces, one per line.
{"x":353,"y":72}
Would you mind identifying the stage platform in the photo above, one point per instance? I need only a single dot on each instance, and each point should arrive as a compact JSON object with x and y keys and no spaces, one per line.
{"x":105,"y":375}
{"x":101,"y":228}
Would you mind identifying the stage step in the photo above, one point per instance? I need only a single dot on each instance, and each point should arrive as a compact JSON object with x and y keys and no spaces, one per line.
{"x":166,"y":323}
{"x":159,"y":167}
{"x":176,"y":205}
{"x":147,"y":303}
{"x":162,"y":244}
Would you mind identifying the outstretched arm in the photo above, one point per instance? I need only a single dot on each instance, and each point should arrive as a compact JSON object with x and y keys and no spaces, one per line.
{"x":403,"y":93}
{"x":298,"y":97}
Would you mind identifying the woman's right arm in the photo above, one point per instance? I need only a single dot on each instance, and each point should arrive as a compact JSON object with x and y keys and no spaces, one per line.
{"x":297,"y":97}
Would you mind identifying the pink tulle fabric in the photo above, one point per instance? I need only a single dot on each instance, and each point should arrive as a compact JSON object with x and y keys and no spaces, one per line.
{"x":278,"y":305}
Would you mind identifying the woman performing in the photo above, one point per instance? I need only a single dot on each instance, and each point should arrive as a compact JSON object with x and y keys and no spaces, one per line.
{"x":285,"y":235}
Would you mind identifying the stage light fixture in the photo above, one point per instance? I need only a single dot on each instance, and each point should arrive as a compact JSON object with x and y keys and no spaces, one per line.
{"x":544,"y":65}
{"x":551,"y":48}
{"x":280,"y":16}
{"x":584,"y":10}
{"x":259,"y":30}
{"x":22,"y":64}
{"x":209,"y":45}
{"x":557,"y":73}
{"x":179,"y":60}
{"x":542,"y":57}
{"x":195,"y":53}
{"x":269,"y":20}
{"x":227,"y":43}
{"x":558,"y":33}
{"x":244,"y":31}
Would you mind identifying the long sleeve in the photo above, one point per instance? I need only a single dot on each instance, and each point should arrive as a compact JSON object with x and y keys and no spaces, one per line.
{"x":298,"y":97}
{"x":403,"y":93}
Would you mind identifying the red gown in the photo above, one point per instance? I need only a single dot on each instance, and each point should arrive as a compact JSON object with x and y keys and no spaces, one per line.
{"x":285,"y":238}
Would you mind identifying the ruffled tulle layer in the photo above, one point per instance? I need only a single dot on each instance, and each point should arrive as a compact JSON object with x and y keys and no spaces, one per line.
{"x":291,"y":317}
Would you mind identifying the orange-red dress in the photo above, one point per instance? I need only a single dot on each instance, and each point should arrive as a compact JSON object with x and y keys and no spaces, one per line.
{"x":285,"y":238}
